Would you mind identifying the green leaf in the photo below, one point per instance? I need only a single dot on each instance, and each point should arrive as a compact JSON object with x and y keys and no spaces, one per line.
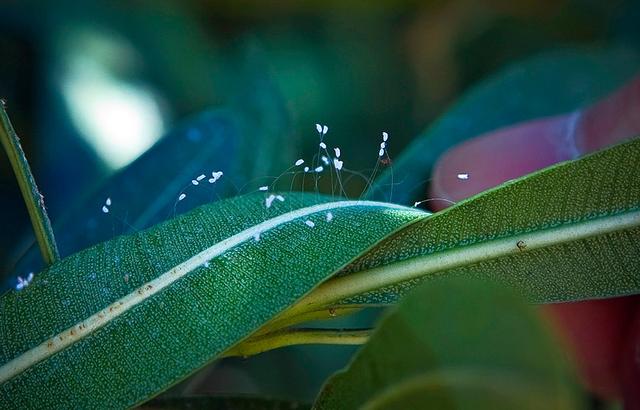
{"x":222,"y":403}
{"x":549,"y":84}
{"x":455,"y":344}
{"x":117,"y":323}
{"x":568,"y":232}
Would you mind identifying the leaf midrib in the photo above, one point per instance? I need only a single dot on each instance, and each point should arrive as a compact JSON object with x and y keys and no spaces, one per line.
{"x":86,"y":327}
{"x":357,"y":283}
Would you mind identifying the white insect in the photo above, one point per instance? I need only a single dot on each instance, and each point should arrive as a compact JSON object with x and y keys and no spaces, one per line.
{"x":105,"y":209}
{"x":212,"y":180}
{"x":324,"y":130}
{"x":383,"y":145}
{"x":323,"y":145}
{"x":381,"y":152}
{"x":415,"y":204}
{"x":463,"y":176}
{"x":319,"y":128}
{"x":269,"y":201}
{"x":217,"y":175}
{"x":200,"y":177}
{"x":385,"y":136}
{"x":256,"y":236}
{"x":206,"y":264}
{"x":263,"y":188}
{"x":329,"y":217}
{"x":325,"y":160}
{"x":299,"y":162}
{"x":306,"y":169}
{"x":23,"y":283}
{"x":337,"y":164}
{"x":319,"y":169}
{"x":182,"y":196}
{"x":280,"y":198}
{"x":309,"y":223}
{"x":194,"y":182}
{"x":108,"y":202}
{"x":337,"y":151}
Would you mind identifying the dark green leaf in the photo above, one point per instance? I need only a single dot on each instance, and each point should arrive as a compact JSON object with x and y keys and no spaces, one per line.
{"x":455,"y":344}
{"x":247,"y":141}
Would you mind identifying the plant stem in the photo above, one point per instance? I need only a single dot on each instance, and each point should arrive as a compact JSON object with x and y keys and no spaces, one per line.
{"x":32,"y":197}
{"x":289,"y":337}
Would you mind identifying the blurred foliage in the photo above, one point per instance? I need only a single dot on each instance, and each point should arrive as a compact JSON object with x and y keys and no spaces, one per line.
{"x":358,"y":67}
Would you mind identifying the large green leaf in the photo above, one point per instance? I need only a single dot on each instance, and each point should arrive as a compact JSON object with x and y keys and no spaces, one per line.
{"x":551,"y":83}
{"x":115,"y":324}
{"x":568,"y":232}
{"x":456,"y":344}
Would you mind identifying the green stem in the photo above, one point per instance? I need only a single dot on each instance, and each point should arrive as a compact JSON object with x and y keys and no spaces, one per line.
{"x":289,"y":337}
{"x":32,"y":197}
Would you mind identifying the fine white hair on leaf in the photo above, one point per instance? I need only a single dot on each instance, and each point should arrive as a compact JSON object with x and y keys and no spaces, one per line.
{"x":299,"y":162}
{"x":319,"y":169}
{"x":381,"y":152}
{"x":269,"y":201}
{"x":337,"y":164}
{"x":263,"y":188}
{"x":323,"y":145}
{"x":105,"y":209}
{"x":319,"y":128}
{"x":194,"y":182}
{"x":337,"y":151}
{"x":280,"y":198}
{"x":463,"y":176}
{"x":325,"y":129}
{"x":200,"y":177}
{"x":306,"y":169}
{"x":325,"y":160}
{"x":256,"y":236}
{"x":309,"y":223}
{"x":182,"y":196}
{"x":108,"y":202}
{"x":329,"y":217}
{"x":415,"y":204}
{"x":385,"y":136}
{"x":206,"y":264}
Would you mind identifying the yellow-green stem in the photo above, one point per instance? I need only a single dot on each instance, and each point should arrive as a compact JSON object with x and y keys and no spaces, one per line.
{"x":32,"y":197}
{"x":289,"y":337}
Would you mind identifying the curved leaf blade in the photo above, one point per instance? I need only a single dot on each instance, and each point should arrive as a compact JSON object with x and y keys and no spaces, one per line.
{"x":457,"y":343}
{"x":568,"y":232}
{"x":117,"y":323}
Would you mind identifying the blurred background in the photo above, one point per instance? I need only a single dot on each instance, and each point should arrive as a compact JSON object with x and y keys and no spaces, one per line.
{"x":90,"y":86}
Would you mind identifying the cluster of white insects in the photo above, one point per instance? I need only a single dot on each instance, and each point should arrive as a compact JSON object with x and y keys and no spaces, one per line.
{"x":107,"y":204}
{"x":317,"y":166}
